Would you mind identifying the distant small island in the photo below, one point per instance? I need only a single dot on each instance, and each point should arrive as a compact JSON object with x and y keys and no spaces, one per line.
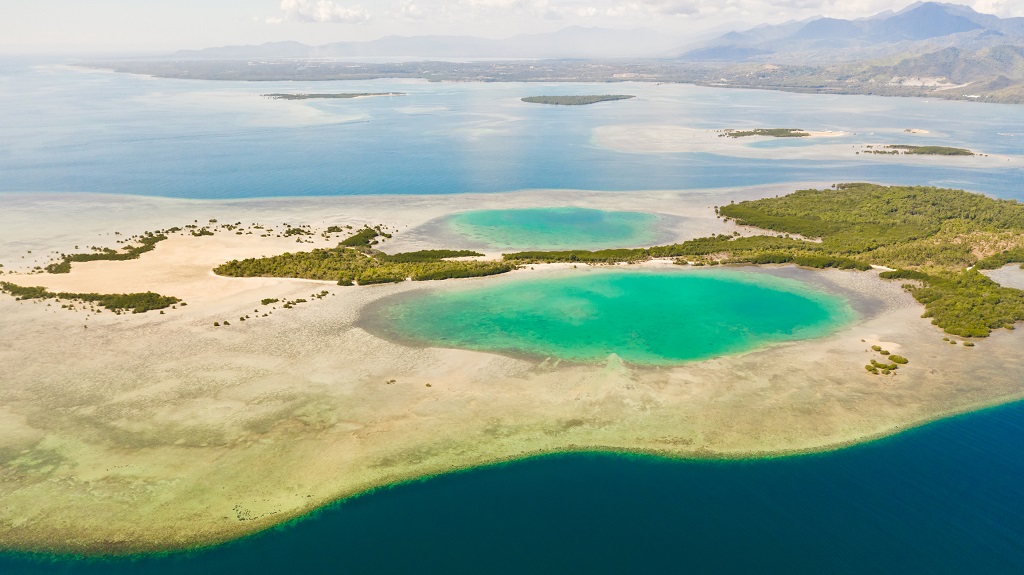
{"x":575,"y":100}
{"x":770,"y":132}
{"x":337,"y":96}
{"x":895,"y":149}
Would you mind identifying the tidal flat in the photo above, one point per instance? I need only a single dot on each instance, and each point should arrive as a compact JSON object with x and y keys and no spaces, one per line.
{"x":149,"y":432}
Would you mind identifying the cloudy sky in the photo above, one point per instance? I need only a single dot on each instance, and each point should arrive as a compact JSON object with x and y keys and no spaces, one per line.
{"x":159,"y":25}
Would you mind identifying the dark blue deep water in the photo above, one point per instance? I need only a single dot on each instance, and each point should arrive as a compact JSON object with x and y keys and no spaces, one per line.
{"x":944,"y":498}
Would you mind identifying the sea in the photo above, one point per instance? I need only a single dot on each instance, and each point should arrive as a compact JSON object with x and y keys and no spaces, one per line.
{"x":943,"y":498}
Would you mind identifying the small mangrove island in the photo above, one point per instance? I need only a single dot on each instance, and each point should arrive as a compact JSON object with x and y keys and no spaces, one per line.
{"x":575,"y":100}
{"x":331,"y":96}
{"x":768,"y":132}
{"x":895,"y":149}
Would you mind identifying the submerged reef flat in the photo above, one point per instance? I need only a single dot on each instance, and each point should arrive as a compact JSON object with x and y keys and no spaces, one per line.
{"x":268,"y":397}
{"x":807,"y":145}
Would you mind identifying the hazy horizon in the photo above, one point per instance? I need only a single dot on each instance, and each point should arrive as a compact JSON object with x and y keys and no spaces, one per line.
{"x":119,"y":26}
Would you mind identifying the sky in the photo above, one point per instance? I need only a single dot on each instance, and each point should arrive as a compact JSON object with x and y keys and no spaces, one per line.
{"x":154,"y":26}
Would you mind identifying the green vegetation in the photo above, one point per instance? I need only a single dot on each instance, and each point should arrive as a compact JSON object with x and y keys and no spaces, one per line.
{"x":930,"y":150}
{"x":770,"y":132}
{"x":133,"y":302}
{"x":898,"y":359}
{"x":582,"y":256}
{"x":755,"y":250}
{"x":884,"y":366}
{"x":426,"y":256}
{"x":337,"y":96}
{"x":348,"y":265}
{"x":147,"y":243}
{"x":915,"y":227}
{"x":996,"y":261}
{"x":269,"y":300}
{"x":967,"y":303}
{"x":364,"y":237}
{"x":575,"y":100}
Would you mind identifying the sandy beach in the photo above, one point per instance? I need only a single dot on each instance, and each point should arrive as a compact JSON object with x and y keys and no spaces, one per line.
{"x":125,"y":433}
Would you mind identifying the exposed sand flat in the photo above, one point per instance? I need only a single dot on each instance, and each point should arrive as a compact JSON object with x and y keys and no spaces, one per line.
{"x":159,"y":431}
{"x":664,"y":138}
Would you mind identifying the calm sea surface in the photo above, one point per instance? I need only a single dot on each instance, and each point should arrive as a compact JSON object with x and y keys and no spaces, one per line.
{"x":64,"y":129}
{"x":946,"y":498}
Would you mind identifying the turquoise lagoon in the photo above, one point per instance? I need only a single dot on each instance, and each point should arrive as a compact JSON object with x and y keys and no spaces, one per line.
{"x":642,"y":317}
{"x":945,"y":498}
{"x":556,"y":228}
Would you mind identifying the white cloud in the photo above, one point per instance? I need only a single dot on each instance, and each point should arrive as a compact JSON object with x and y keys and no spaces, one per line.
{"x":411,"y":11}
{"x":323,"y":11}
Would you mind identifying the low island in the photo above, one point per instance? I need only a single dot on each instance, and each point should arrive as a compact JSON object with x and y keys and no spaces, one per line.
{"x":575,"y":100}
{"x":896,"y":149}
{"x":767,"y":132}
{"x":330,"y":96}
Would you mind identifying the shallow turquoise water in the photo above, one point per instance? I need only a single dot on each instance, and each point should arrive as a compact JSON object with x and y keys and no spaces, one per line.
{"x":642,"y":317}
{"x":556,"y":228}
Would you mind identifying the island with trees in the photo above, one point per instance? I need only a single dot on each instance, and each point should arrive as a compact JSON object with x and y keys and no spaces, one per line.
{"x":767,"y":132}
{"x":575,"y":100}
{"x":330,"y":96}
{"x":895,"y":149}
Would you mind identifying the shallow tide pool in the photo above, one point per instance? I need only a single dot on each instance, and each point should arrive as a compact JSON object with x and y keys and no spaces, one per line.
{"x":556,"y":228}
{"x":642,"y":317}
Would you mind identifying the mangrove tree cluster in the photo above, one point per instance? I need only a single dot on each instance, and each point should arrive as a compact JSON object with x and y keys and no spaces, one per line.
{"x":118,"y":303}
{"x":354,"y":262}
{"x":146,"y":242}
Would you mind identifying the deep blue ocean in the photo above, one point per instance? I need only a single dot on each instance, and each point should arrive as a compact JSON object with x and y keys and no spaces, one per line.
{"x":944,"y":498}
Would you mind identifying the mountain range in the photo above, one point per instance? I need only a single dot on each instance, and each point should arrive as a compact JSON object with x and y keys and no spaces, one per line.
{"x":927,"y":49}
{"x":920,"y":28}
{"x":572,"y":42}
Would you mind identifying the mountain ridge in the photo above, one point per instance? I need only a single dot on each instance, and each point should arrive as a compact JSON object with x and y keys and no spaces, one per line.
{"x":918,"y":28}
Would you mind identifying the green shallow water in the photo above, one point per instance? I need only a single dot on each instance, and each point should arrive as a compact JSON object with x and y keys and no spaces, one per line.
{"x":556,"y":228}
{"x":643,"y":317}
